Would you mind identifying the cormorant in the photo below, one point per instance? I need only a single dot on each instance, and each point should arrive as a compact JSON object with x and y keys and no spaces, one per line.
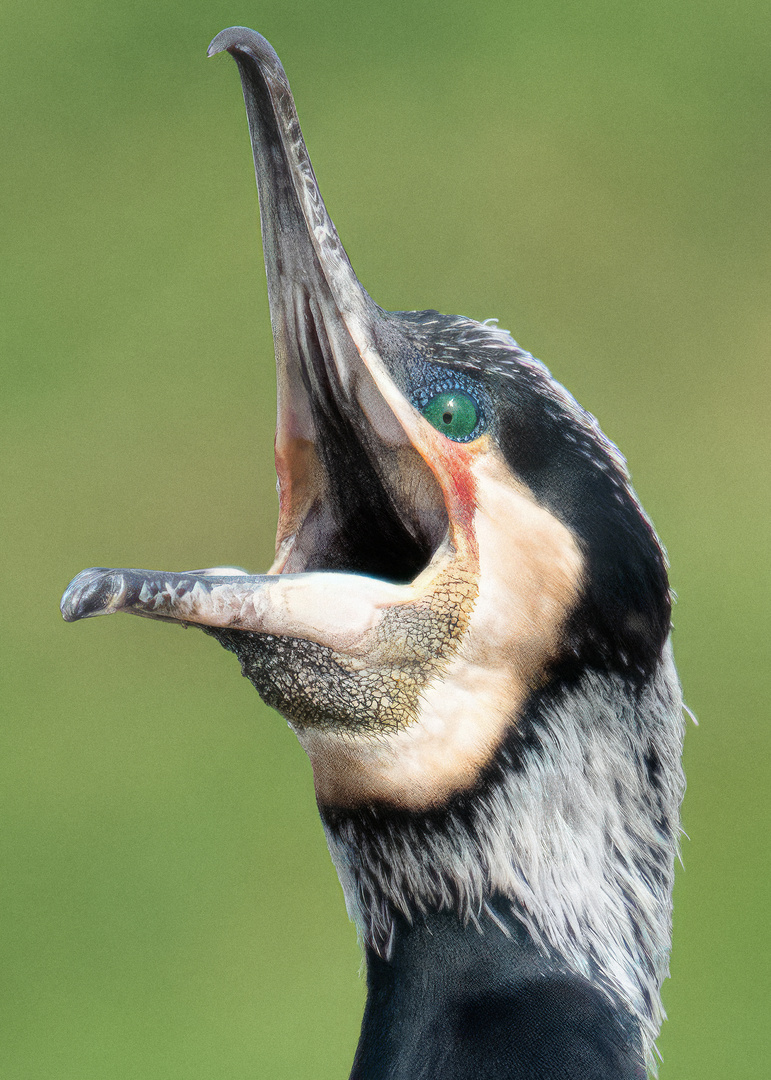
{"x":467,"y":625}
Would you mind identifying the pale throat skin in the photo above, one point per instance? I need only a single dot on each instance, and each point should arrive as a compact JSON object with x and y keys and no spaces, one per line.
{"x":514,"y":598}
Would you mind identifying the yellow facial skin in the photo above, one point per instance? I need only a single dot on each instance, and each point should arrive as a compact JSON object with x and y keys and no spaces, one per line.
{"x":370,"y":684}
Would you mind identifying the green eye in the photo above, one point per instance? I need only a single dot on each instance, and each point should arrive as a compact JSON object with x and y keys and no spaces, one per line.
{"x":454,"y":413}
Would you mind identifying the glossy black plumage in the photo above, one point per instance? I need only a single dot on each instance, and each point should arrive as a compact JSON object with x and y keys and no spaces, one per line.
{"x":463,"y":1004}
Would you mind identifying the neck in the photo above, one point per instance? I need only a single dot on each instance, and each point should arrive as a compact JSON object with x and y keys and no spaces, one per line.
{"x":572,"y":834}
{"x":463,"y":1001}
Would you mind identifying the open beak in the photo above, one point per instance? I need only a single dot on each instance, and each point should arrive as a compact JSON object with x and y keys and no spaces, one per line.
{"x":373,"y":502}
{"x":419,"y":591}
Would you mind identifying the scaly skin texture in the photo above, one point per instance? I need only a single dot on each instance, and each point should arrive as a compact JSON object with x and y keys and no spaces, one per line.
{"x":318,"y":687}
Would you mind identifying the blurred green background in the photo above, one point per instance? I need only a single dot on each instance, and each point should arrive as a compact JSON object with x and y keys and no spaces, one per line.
{"x":596,"y":175}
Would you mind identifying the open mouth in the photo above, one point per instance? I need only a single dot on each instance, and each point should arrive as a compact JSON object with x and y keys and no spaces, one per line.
{"x":362,"y":490}
{"x":343,"y":500}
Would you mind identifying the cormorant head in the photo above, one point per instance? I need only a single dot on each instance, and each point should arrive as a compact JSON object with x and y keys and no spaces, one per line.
{"x":466,"y":620}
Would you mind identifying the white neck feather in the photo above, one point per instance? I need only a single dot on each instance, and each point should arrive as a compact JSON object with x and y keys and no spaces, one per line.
{"x":578,"y":829}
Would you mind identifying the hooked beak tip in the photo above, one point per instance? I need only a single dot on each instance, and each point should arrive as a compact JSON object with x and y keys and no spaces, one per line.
{"x":237,"y":39}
